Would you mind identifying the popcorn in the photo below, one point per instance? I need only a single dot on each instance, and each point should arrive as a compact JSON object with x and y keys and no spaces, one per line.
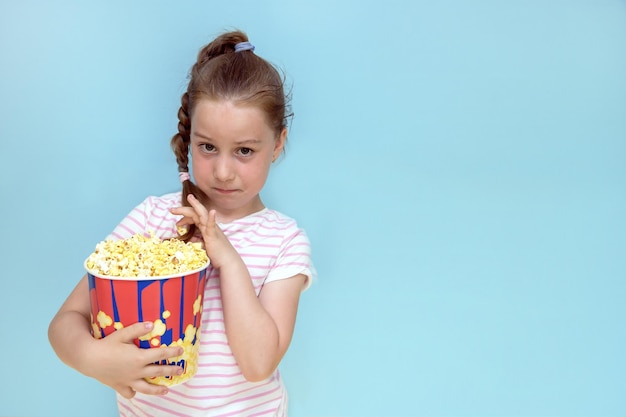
{"x":146,"y":256}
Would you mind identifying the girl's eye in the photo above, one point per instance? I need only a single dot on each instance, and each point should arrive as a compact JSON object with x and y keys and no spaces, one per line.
{"x":245,"y":151}
{"x":207,"y":147}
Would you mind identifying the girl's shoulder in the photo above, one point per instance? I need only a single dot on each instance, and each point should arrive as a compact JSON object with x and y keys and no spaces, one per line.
{"x":262,"y":225}
{"x":152,"y":215}
{"x":158,"y":206}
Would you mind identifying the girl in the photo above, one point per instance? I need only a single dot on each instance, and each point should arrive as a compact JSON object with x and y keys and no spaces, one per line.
{"x":232,"y":122}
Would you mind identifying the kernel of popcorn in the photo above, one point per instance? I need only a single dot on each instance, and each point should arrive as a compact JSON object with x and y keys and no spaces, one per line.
{"x":166,"y":314}
{"x":103,"y":320}
{"x":146,"y":256}
{"x":155,"y":342}
{"x":117,"y":325}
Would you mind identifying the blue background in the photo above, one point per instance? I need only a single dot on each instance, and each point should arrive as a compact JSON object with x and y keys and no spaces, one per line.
{"x":458,"y":165}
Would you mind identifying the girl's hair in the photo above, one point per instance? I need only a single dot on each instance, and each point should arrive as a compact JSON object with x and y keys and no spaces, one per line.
{"x":242,"y":77}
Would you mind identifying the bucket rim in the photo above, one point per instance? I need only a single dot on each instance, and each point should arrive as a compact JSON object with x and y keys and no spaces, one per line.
{"x":149,"y":278}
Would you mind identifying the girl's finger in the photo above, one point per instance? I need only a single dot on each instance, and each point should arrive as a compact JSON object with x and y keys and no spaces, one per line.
{"x":197,"y":206}
{"x":150,"y":389}
{"x":155,"y":371}
{"x":183,"y":211}
{"x":130,"y":333}
{"x":185,"y":221}
{"x":126,"y":392}
{"x":162,"y":354}
{"x":199,"y":210}
{"x":211,"y":222}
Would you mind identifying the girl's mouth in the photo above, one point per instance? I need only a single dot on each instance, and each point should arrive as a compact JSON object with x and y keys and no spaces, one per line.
{"x":224,"y":191}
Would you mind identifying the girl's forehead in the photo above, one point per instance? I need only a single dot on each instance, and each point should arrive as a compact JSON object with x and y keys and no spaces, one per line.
{"x":223,"y":109}
{"x":221,"y":106}
{"x":226,"y":118}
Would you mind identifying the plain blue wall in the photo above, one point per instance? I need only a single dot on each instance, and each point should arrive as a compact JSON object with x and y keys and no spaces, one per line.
{"x":460,"y":167}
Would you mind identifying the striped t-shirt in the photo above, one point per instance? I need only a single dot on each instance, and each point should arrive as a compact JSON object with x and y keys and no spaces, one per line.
{"x":273,"y":248}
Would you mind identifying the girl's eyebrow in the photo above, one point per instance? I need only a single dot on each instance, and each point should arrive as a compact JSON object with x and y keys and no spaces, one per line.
{"x":248,"y":141}
{"x":200,"y":135}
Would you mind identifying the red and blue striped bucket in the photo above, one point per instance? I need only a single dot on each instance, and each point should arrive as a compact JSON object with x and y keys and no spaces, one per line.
{"x":173,"y":303}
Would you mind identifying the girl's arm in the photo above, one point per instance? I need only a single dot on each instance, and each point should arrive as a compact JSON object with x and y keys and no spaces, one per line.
{"x":259,"y":329}
{"x":114,"y":360}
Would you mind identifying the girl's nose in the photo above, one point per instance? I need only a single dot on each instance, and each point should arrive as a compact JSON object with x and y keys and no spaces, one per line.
{"x":223,"y":170}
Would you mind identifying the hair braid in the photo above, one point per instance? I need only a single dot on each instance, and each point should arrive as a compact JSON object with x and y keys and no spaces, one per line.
{"x":180,"y":145}
{"x":180,"y":141}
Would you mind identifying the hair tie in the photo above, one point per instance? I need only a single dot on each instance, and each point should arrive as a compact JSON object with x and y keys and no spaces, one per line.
{"x":244,"y":46}
{"x":184,"y":176}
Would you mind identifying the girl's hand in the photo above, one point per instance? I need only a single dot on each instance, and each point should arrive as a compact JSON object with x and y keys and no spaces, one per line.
{"x":218,"y":248}
{"x":117,"y":362}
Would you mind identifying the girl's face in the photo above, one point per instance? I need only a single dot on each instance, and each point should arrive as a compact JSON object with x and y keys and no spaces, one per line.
{"x":232,"y":149}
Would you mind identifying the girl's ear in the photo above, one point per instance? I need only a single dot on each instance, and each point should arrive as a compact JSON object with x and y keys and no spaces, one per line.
{"x":280,"y":144}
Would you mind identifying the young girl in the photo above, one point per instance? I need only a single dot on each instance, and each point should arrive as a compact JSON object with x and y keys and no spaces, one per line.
{"x":232,"y":122}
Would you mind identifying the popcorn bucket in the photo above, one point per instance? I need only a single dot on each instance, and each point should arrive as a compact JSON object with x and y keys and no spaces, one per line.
{"x":172,"y":302}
